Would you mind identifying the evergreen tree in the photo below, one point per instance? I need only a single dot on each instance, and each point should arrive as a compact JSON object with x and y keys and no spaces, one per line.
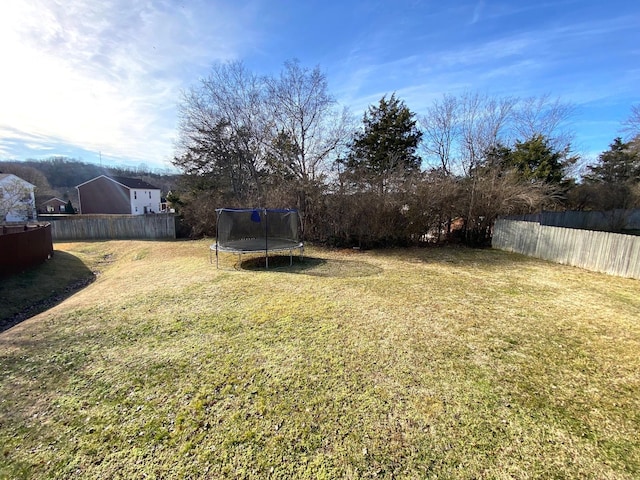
{"x":68,"y":208}
{"x":613,"y":182}
{"x":535,"y":159}
{"x":619,"y":164}
{"x":387,"y":145}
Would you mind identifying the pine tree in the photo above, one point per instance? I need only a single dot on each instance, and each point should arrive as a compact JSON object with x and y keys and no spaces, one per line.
{"x":619,"y":164}
{"x":535,"y":159}
{"x":68,"y":208}
{"x":387,"y":145}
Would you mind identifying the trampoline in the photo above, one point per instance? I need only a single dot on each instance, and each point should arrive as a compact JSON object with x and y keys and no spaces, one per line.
{"x":256,"y":230}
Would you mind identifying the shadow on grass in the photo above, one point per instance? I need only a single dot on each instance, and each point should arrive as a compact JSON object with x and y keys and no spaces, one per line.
{"x":462,"y":256}
{"x":314,"y":266}
{"x":39,"y":288}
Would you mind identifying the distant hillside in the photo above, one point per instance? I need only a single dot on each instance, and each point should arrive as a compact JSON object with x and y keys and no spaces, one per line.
{"x":58,"y":176}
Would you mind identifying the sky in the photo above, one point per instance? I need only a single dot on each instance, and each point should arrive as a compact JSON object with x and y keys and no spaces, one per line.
{"x":101,"y":81}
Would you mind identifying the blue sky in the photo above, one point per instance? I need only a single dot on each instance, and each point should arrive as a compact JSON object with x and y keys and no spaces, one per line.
{"x":101,"y":80}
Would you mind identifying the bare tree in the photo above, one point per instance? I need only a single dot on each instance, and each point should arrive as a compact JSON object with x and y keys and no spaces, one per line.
{"x":308,"y":132}
{"x":223,"y":128}
{"x":543,"y":116}
{"x":441,"y":131}
{"x":493,"y":191}
{"x":463,"y":129}
{"x":631,"y":126}
{"x":308,"y":127}
{"x":484,"y":120}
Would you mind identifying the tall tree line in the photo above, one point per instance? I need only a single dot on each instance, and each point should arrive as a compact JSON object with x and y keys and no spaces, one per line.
{"x":251,"y":140}
{"x":395,"y":177}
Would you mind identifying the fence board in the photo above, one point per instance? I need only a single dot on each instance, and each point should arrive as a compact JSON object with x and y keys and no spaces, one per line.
{"x":606,"y":252}
{"x":24,"y":246}
{"x":608,"y":221}
{"x":114,"y":227}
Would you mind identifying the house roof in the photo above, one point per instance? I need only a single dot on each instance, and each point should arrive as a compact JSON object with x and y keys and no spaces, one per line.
{"x":4,"y":176}
{"x":125,"y":181}
{"x":134,"y":183}
{"x":54,"y":199}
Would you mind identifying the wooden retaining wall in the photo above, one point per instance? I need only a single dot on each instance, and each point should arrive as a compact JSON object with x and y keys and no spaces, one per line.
{"x":605,"y":252}
{"x":114,"y":227}
{"x":24,"y":246}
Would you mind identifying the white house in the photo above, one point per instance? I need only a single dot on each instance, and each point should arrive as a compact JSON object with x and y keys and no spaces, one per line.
{"x":17,"y":199}
{"x":118,"y":195}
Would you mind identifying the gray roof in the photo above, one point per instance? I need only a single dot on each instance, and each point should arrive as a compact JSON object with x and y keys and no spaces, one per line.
{"x":133,"y":182}
{"x":126,"y":181}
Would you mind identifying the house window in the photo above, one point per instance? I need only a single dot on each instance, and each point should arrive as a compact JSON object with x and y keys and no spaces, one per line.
{"x":149,"y":195}
{"x":135,"y":195}
{"x":136,"y":209}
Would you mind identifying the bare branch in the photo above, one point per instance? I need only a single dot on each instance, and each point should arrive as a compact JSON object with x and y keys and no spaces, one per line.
{"x":441,"y":131}
{"x":544,"y":116}
{"x":631,"y":126}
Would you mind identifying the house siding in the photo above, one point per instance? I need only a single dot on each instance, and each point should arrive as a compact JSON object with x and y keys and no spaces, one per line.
{"x":104,"y":196}
{"x":25,"y":209}
{"x":53,"y":205}
{"x":144,"y":201}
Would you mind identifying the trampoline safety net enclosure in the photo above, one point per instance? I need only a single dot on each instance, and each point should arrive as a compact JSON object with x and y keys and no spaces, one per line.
{"x":249,"y":230}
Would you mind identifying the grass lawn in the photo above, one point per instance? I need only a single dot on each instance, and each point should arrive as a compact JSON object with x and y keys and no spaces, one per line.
{"x":431,"y":363}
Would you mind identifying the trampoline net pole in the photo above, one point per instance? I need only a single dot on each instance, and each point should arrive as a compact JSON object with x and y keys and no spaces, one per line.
{"x":266,"y":239}
{"x":217,"y":236}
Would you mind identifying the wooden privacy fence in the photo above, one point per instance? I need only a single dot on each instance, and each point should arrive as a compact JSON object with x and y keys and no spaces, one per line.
{"x":24,"y":246}
{"x":608,"y":221}
{"x":606,"y":252}
{"x":114,"y":227}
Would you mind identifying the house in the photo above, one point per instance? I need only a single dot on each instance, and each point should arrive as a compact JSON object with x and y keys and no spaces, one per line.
{"x":17,"y":199}
{"x":53,"y":205}
{"x":118,"y":195}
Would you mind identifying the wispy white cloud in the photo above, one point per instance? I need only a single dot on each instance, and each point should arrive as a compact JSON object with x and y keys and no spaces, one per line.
{"x":516,"y":62}
{"x":37,"y":146}
{"x":477,"y":11}
{"x":506,"y":49}
{"x":106,"y":75}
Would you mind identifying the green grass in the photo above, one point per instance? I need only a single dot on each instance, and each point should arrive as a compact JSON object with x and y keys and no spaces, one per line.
{"x":433,"y":363}
{"x":40,"y":287}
